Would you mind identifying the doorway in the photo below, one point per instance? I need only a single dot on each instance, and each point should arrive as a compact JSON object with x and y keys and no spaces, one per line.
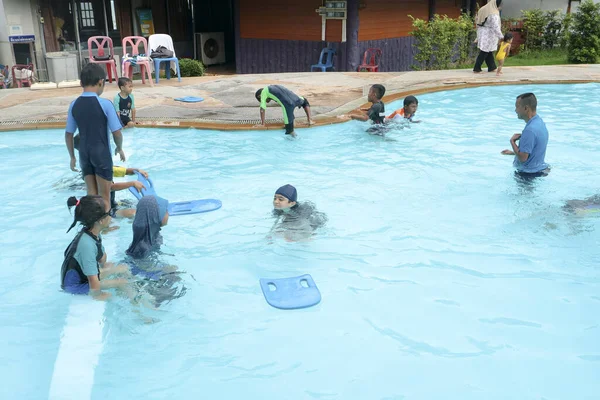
{"x":217,"y":16}
{"x":23,"y":53}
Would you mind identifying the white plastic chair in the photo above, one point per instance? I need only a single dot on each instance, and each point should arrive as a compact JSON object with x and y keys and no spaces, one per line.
{"x":161,"y":39}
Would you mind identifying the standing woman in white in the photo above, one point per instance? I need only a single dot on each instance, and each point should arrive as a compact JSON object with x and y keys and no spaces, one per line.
{"x":488,"y":34}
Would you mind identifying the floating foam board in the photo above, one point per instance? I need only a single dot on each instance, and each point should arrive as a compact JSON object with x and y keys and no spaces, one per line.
{"x":69,"y":84}
{"x":43,"y":86}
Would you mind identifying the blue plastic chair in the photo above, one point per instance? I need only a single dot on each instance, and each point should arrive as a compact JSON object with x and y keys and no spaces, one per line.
{"x":165,"y":40}
{"x":325,"y":60}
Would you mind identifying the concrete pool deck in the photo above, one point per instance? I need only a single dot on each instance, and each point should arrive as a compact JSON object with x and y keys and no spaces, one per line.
{"x":229,"y":101}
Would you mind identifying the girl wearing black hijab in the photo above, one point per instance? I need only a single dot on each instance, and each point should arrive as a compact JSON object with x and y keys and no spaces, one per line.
{"x":158,"y":279}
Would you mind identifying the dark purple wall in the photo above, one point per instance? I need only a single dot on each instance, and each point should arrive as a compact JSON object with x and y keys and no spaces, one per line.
{"x":257,"y":56}
{"x":398,"y":53}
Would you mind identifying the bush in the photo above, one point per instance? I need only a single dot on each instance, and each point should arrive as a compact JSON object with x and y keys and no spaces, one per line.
{"x":441,"y":40}
{"x":534,"y":25}
{"x":584,"y":38}
{"x":189,"y":67}
{"x":554,"y":25}
{"x":466,"y":37}
{"x":423,"y":33}
{"x":565,"y":32}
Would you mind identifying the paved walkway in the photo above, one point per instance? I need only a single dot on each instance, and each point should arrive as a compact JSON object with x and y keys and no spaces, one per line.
{"x":229,"y":100}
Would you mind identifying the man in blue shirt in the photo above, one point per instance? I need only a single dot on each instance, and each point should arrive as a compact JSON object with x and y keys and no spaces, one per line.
{"x":531,"y":150}
{"x":94,"y":117}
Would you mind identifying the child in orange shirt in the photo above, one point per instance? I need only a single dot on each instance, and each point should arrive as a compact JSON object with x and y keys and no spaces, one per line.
{"x":411,"y":104}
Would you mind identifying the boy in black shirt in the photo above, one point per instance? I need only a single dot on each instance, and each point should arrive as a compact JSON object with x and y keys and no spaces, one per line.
{"x":377,"y":111}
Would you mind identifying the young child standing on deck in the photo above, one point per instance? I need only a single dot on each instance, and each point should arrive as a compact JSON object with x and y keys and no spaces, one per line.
{"x":503,"y":51}
{"x":124,"y":103}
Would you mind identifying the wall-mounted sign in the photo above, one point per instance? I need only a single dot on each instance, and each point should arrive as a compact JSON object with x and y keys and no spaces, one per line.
{"x":146,"y":22}
{"x":15,"y":30}
{"x":21,"y":38}
{"x":333,"y":10}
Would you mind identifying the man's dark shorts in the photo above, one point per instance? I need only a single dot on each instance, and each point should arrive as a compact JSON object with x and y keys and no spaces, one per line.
{"x":531,"y":175}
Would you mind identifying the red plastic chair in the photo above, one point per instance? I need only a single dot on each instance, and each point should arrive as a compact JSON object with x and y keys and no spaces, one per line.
{"x":23,"y":80}
{"x":145,"y":66}
{"x":371,"y":60}
{"x":102,"y":57}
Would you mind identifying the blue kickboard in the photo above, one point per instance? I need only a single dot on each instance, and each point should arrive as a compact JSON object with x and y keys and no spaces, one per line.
{"x":189,"y":99}
{"x":149,"y":187}
{"x":289,"y":293}
{"x":593,"y":207}
{"x":193,"y":207}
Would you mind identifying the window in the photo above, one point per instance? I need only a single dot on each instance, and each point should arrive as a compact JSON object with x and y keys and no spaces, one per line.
{"x":113,"y":15}
{"x":87,"y":15}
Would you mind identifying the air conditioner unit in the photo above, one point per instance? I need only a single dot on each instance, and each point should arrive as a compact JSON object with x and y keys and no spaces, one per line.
{"x":210,"y":46}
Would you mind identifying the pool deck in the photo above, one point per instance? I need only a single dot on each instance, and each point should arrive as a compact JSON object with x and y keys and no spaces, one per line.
{"x":229,"y":99}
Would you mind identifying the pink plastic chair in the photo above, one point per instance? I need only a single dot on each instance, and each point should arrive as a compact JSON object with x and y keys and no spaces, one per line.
{"x":145,"y":66}
{"x":23,"y":81}
{"x":102,"y":57}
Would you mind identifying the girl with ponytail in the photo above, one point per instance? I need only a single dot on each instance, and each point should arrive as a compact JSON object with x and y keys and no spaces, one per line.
{"x":85,"y":259}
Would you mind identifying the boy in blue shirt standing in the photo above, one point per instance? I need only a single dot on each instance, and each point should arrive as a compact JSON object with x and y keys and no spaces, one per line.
{"x":94,"y":117}
{"x":530,"y":153}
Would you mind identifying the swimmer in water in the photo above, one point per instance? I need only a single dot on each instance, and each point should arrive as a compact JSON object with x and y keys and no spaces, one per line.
{"x":583,"y":207}
{"x":295,"y":220}
{"x":84,"y":268}
{"x":406,"y":113}
{"x":157,"y":278}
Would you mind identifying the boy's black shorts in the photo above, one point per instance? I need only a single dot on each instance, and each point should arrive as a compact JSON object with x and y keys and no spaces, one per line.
{"x":125,"y":119}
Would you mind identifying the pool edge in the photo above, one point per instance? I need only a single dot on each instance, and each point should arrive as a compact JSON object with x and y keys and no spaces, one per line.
{"x":330,"y":118}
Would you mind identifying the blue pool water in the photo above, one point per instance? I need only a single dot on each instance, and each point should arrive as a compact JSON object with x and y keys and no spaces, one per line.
{"x":441,"y":276}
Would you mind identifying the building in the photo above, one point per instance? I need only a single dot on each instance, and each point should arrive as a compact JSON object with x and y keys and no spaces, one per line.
{"x":259,"y":37}
{"x":288,"y":36}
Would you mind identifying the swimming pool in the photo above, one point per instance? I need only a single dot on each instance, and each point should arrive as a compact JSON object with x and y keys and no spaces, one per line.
{"x":441,"y":276}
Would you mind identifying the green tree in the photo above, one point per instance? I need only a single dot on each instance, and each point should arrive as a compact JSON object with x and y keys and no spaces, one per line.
{"x":423,"y":34}
{"x":584,"y":38}
{"x":534,"y":24}
{"x":442,"y":41}
{"x":553,"y":29}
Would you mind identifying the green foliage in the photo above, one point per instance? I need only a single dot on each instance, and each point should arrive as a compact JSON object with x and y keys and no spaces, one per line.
{"x":584,"y":37}
{"x":565,"y":33}
{"x":556,"y":56}
{"x":189,"y":67}
{"x":552,"y":31}
{"x":440,"y":39}
{"x":466,"y":37}
{"x":534,"y":24}
{"x":423,"y":33}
